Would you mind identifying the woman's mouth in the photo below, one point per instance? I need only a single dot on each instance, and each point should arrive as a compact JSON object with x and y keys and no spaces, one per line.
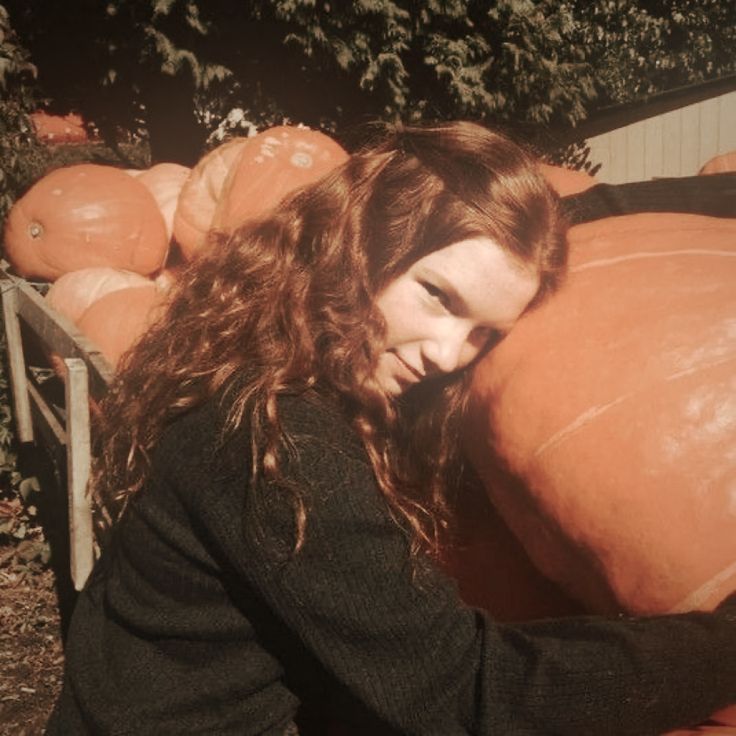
{"x":408,"y":374}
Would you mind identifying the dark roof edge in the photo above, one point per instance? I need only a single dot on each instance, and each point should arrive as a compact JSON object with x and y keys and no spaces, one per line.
{"x":611,"y":118}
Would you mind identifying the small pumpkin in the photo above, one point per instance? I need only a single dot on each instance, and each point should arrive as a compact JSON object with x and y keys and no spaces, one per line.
{"x":72,"y":293}
{"x":165,"y":181}
{"x":117,"y":320}
{"x":200,"y":194}
{"x":81,"y":216}
{"x":603,"y":424}
{"x":59,"y":129}
{"x":721,"y":164}
{"x":270,"y":165}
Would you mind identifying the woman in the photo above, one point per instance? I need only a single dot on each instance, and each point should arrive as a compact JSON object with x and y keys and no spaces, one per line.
{"x":274,"y":459}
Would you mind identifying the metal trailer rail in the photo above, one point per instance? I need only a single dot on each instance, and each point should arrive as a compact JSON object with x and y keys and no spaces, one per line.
{"x":65,"y":430}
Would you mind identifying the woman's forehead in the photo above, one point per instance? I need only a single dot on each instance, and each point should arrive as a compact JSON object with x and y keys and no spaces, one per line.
{"x":485,"y":278}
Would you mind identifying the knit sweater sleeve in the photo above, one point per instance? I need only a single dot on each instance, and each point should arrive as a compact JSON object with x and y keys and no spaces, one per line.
{"x":385,"y":641}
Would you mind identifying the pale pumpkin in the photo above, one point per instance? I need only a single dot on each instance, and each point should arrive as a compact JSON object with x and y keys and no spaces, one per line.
{"x":72,"y":293}
{"x":116,"y":321}
{"x":200,"y":194}
{"x":603,"y":425}
{"x":165,"y":182}
{"x":82,"y":216}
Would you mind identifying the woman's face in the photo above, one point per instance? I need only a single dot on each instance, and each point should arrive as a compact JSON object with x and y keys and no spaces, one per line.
{"x":446,"y":307}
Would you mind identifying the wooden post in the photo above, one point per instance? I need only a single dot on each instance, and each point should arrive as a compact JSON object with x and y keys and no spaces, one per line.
{"x":16,"y":362}
{"x":78,"y":459}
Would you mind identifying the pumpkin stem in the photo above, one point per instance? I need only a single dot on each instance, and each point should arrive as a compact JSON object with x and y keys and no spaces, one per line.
{"x":35,"y":230}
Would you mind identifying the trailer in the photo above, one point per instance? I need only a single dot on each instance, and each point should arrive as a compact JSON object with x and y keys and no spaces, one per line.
{"x":43,"y":345}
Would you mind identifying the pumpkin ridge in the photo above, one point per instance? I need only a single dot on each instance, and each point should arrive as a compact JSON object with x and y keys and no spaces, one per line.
{"x":603,"y":262}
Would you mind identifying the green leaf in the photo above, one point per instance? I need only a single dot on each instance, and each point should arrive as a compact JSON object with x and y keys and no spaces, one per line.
{"x":28,"y":487}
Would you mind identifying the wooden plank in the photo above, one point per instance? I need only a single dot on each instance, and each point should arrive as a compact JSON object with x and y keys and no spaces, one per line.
{"x":45,"y":419}
{"x":727,"y":123}
{"x":635,"y":152}
{"x":708,"y":131}
{"x":617,"y":172}
{"x":600,"y":153}
{"x":81,"y":533}
{"x":653,"y":148}
{"x":689,"y":141}
{"x":671,"y":135}
{"x":16,"y":364}
{"x":59,"y":334}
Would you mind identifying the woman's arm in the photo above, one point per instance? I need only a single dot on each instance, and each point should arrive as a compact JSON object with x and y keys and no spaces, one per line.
{"x":365,"y":632}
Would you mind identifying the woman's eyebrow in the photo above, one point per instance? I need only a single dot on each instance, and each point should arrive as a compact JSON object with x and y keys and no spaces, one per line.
{"x":458,"y":302}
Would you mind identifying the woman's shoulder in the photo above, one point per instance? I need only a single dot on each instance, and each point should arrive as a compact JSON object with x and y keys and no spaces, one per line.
{"x":308,"y":418}
{"x":315,"y":418}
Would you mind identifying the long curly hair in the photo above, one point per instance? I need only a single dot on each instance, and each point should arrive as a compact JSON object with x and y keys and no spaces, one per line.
{"x":286,"y":304}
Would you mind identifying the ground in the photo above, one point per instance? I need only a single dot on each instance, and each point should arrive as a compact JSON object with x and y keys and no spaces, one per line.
{"x":31,"y":657}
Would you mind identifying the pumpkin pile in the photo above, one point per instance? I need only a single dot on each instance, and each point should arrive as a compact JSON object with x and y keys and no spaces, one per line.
{"x":107,"y":238}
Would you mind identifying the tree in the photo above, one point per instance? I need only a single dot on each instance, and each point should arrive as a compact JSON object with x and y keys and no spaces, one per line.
{"x":18,"y":146}
{"x":174,"y":68}
{"x":176,"y":65}
{"x":655,"y":45}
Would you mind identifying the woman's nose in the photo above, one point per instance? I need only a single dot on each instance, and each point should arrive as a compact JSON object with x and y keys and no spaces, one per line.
{"x":448,"y":351}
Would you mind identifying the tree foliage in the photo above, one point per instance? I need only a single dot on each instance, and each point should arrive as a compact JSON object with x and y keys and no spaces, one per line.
{"x":639,"y":49}
{"x":18,"y":147}
{"x":175,"y":68}
{"x":178,"y":66}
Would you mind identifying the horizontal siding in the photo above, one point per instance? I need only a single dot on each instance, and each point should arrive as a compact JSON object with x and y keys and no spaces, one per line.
{"x":675,"y":143}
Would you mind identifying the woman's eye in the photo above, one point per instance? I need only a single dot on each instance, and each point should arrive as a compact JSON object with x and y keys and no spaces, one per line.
{"x":435,"y":292}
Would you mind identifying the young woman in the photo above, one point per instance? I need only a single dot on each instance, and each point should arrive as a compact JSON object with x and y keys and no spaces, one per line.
{"x":273,"y":462}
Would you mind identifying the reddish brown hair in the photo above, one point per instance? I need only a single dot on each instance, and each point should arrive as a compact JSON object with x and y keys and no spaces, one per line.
{"x":286,"y":304}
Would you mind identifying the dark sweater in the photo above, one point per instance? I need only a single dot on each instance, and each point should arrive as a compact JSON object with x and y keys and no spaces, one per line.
{"x":198,"y":620}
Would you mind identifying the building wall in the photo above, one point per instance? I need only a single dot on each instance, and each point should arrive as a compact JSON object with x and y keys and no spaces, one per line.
{"x":675,"y":143}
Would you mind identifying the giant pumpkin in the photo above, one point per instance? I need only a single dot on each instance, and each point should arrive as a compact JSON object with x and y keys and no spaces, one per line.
{"x":603,"y":425}
{"x":491,"y":568}
{"x":270,"y":165}
{"x":200,"y":194}
{"x":82,"y":216}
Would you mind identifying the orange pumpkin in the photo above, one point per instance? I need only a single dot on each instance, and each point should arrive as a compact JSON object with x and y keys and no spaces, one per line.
{"x":200,"y":193}
{"x":603,"y":425}
{"x":72,"y":293}
{"x":721,"y":164}
{"x":492,"y":570}
{"x":81,"y":216}
{"x":567,"y":181}
{"x":722,"y":723}
{"x":270,"y":165}
{"x":117,"y":320}
{"x":59,"y":129}
{"x":165,"y":182}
